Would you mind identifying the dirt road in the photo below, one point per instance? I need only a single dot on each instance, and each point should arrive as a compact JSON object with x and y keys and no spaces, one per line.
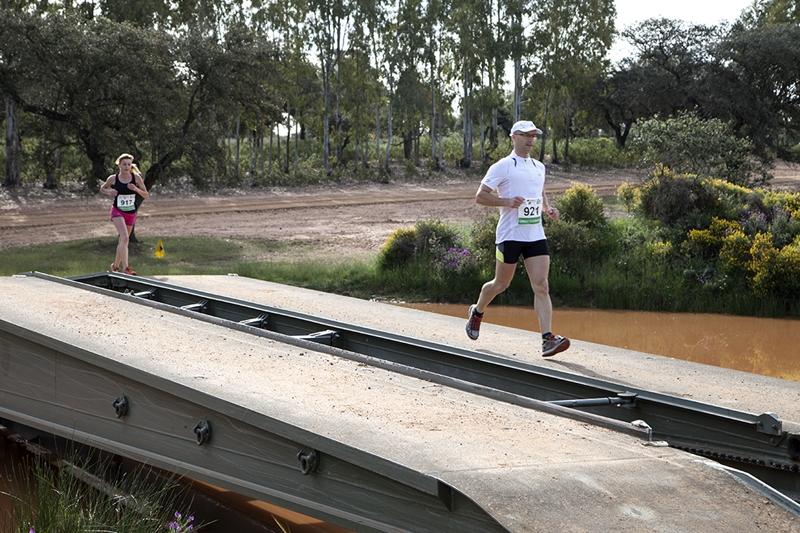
{"x":351,"y":219}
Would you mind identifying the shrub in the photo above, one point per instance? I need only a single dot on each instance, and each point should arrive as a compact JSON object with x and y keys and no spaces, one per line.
{"x":681,"y":202}
{"x":581,"y":204}
{"x":630,"y":196}
{"x":785,"y":228}
{"x":763,"y":262}
{"x":426,"y":241}
{"x":600,"y":152}
{"x":576,"y":245}
{"x":456,"y":260}
{"x":707,"y":147}
{"x":735,"y":251}
{"x":708,"y":242}
{"x":433,"y":237}
{"x":482,"y":239}
{"x":399,"y":248}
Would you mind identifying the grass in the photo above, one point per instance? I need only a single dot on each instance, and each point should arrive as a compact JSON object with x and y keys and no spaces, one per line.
{"x":620,"y":281}
{"x":54,"y":499}
{"x":184,"y":255}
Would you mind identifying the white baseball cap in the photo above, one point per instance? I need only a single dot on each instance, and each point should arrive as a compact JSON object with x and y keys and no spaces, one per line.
{"x":524,"y":126}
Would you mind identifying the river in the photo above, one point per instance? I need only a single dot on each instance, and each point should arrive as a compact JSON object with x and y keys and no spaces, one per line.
{"x":768,"y":346}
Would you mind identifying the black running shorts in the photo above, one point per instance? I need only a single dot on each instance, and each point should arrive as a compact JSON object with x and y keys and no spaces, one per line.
{"x":509,"y":251}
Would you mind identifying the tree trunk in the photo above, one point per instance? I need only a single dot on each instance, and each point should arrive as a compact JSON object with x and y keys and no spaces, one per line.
{"x":53,"y":166}
{"x":278,"y":145}
{"x":517,"y":89}
{"x":466,"y":161}
{"x":567,"y":128}
{"x":326,"y":134}
{"x":13,"y":147}
{"x":288,"y":137}
{"x":544,"y":127}
{"x":555,"y":159}
{"x":238,"y":145}
{"x":253,"y":154}
{"x":434,"y":153}
{"x":271,"y":137}
{"x":261,"y":154}
{"x":388,"y":136}
{"x":483,"y":138}
{"x":296,"y":139}
{"x":408,"y":140}
{"x":378,"y":133}
{"x":417,"y":135}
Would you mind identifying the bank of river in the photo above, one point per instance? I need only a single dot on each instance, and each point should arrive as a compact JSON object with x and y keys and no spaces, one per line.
{"x":767,"y":346}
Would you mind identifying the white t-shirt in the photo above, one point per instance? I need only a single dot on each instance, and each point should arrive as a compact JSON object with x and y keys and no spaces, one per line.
{"x":518,"y":176}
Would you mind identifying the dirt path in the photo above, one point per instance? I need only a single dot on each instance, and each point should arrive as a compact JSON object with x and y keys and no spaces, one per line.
{"x":352,"y":219}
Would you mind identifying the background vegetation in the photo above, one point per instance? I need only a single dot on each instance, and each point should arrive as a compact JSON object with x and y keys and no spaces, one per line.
{"x":219,"y":93}
{"x":231,"y":93}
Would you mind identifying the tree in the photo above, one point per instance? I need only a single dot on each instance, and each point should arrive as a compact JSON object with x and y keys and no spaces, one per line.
{"x":707,"y":147}
{"x":116,"y":87}
{"x":572,"y":37}
{"x":755,"y":85}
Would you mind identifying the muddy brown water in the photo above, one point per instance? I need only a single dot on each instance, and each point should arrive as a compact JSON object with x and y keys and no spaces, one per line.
{"x":767,"y":346}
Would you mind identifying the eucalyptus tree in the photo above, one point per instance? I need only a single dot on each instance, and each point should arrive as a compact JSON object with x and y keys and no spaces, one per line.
{"x":13,"y":147}
{"x":515,"y":16}
{"x":495,"y":53}
{"x":326,"y":22}
{"x":571,"y":37}
{"x":431,"y":30}
{"x":465,"y":27}
{"x":297,"y":84}
{"x":361,"y":84}
{"x":410,"y":105}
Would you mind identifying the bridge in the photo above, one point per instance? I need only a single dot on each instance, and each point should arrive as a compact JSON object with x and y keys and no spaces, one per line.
{"x":376,"y":417}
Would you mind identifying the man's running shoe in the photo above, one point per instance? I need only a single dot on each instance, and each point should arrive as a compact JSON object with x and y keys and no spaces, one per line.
{"x":129,"y":271}
{"x":113,"y":268}
{"x":553,"y":344}
{"x":474,"y":323}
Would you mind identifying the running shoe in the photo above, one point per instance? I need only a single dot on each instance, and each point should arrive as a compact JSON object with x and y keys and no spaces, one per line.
{"x":113,"y":268}
{"x":129,"y":271}
{"x":474,"y":323}
{"x":554,"y":344}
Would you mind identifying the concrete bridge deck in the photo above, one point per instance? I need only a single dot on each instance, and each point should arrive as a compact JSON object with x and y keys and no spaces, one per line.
{"x":704,"y":383}
{"x":529,"y":470}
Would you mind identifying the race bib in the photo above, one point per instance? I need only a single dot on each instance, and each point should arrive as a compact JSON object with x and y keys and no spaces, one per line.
{"x":530,"y":212}
{"x":126,"y":202}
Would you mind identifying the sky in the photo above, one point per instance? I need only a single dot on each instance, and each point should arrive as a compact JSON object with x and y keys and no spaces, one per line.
{"x":709,"y":12}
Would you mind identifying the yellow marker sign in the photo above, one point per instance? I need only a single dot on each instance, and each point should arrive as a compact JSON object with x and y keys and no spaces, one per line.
{"x":160,"y":253}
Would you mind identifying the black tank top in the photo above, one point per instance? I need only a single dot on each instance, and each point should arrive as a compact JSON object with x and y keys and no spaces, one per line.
{"x":125,"y":200}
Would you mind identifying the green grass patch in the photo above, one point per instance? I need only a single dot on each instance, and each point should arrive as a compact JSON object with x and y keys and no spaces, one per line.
{"x":184,"y":255}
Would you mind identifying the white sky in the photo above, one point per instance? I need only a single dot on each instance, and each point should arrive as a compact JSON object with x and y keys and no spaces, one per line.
{"x":709,"y":12}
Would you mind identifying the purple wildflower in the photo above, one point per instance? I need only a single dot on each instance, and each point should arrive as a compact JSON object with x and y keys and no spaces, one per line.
{"x":455,"y":259}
